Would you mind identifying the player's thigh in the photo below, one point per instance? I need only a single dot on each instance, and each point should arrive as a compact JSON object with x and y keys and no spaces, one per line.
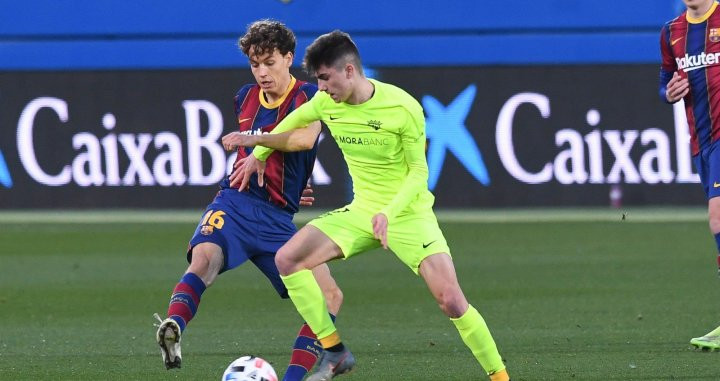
{"x":707,"y":165}
{"x":414,"y":238}
{"x":297,"y":249}
{"x":307,"y":249}
{"x":439,"y":274}
{"x":701,"y":166}
{"x":349,"y":228}
{"x":272,"y":230}
{"x":206,"y":261}
{"x":710,"y":177}
{"x":438,"y":271}
{"x":266,"y":264}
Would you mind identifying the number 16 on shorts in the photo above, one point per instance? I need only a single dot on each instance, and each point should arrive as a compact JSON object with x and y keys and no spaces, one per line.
{"x":212,"y":220}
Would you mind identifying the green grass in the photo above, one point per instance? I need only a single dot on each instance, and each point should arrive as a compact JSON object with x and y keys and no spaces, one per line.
{"x":566,"y":299}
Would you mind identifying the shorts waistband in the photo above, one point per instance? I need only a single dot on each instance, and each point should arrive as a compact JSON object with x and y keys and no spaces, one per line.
{"x":249,"y":197}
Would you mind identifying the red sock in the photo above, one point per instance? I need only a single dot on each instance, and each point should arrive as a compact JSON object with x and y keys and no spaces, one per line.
{"x":185,"y":299}
{"x":304,"y":355}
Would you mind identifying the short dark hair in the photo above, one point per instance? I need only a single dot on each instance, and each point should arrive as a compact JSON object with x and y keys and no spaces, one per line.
{"x":264,"y":36}
{"x":331,"y":49}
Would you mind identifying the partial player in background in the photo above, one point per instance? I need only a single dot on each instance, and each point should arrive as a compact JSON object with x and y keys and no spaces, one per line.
{"x":381,"y":131}
{"x":690,"y":47}
{"x":241,"y":226}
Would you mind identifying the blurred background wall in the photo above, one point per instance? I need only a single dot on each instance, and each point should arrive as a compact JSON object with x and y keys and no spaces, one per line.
{"x":107,"y":104}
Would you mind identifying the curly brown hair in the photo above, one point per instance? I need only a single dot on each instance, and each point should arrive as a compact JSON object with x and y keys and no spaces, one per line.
{"x":264,"y":36}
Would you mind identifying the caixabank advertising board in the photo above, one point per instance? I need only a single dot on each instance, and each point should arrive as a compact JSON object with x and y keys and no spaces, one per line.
{"x":497,"y":137}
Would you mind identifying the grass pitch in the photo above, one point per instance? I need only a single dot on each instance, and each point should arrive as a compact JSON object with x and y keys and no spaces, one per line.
{"x":581,"y":295}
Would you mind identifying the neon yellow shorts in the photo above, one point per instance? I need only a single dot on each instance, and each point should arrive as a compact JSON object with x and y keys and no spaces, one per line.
{"x":411,"y":237}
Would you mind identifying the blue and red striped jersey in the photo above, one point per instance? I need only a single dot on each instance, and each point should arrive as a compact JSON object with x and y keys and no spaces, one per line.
{"x":692,"y":48}
{"x":286,"y":173}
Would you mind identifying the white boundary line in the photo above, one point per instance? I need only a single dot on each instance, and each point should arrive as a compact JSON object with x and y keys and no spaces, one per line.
{"x":628,"y":215}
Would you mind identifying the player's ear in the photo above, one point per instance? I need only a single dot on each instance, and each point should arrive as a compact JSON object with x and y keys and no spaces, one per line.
{"x":288,"y":59}
{"x":349,"y":70}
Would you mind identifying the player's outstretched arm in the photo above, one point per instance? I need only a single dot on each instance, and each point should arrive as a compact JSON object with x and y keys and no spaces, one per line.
{"x":299,"y":139}
{"x":303,"y":116}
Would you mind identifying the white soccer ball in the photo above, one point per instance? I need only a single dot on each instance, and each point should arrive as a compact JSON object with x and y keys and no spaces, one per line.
{"x":249,"y":368}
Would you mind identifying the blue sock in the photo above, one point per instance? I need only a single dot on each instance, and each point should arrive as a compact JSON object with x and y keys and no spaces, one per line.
{"x":185,"y":299}
{"x":306,"y":351}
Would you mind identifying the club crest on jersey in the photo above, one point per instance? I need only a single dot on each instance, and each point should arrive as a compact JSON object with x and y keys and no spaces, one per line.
{"x":714,"y":35}
{"x":206,"y":230}
{"x":374,"y":124}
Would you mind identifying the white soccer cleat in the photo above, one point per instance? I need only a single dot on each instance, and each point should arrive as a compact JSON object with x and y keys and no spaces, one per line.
{"x":168,"y":338}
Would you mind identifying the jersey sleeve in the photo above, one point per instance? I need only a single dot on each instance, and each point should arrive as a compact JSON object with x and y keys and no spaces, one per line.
{"x":668,"y":65}
{"x":413,"y":144}
{"x":309,"y":89}
{"x":240,"y":98}
{"x":299,"y":118}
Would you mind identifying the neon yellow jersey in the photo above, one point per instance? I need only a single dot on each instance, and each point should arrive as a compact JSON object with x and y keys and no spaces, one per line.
{"x":383,"y":142}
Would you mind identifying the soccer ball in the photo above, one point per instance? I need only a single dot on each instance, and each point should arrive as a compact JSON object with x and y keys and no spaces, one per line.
{"x":249,"y":368}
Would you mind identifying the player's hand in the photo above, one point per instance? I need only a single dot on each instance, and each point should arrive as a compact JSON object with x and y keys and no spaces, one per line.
{"x":380,"y":225}
{"x":235,"y":139}
{"x":677,"y":88}
{"x":244,"y":168}
{"x":307,"y":198}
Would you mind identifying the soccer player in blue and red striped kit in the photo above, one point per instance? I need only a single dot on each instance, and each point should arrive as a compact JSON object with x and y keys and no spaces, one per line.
{"x":690,"y":47}
{"x":240,"y":226}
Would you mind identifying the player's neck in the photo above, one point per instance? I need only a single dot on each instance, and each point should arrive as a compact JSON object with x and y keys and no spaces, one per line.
{"x":700,"y":10}
{"x":362,"y":93}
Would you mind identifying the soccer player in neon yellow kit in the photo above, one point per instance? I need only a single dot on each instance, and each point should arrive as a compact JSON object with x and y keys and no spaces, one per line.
{"x":381,"y":132}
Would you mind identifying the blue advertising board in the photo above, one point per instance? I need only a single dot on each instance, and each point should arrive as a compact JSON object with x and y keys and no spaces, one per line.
{"x":113,"y":34}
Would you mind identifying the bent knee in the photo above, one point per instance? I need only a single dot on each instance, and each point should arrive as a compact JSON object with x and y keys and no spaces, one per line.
{"x":284,"y":262}
{"x":714,"y":222}
{"x":714,"y":215}
{"x":453,"y":304}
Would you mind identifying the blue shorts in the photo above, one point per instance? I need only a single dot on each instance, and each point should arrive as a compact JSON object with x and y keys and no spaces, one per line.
{"x":707,"y":163}
{"x":245,"y":228}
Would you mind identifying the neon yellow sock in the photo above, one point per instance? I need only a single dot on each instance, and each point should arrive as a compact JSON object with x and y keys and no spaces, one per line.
{"x":330,"y":341}
{"x":308,"y":299}
{"x":477,"y":337}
